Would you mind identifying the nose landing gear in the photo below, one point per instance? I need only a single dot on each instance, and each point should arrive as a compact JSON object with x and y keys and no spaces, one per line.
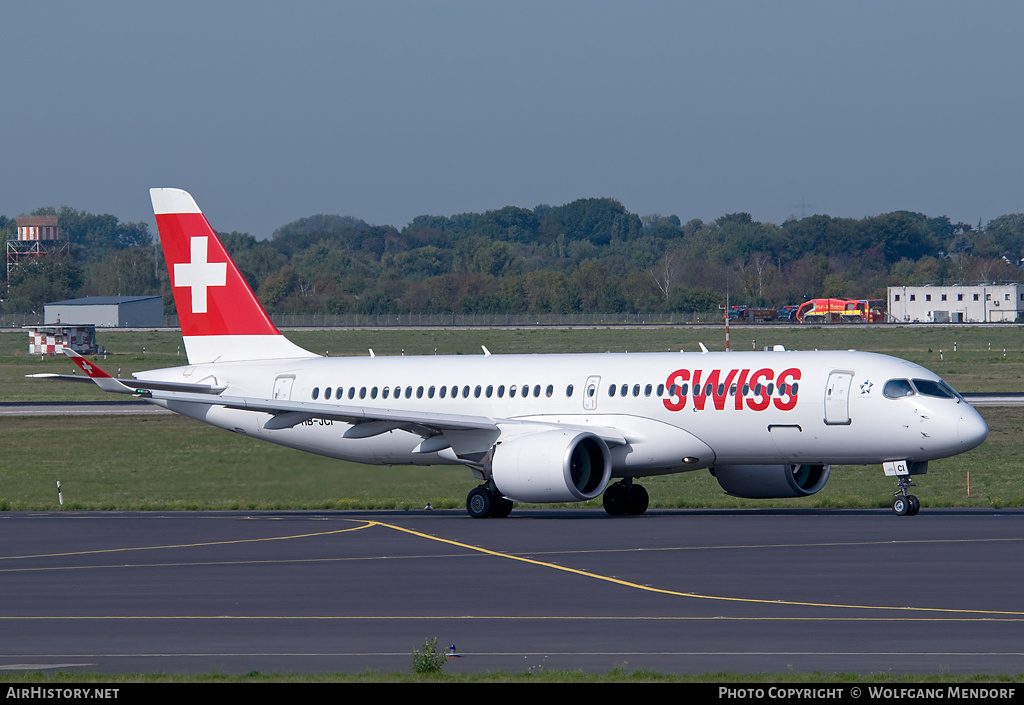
{"x":904,"y":504}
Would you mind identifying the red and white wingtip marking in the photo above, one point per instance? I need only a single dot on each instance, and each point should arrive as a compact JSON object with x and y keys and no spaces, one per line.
{"x":86,"y":366}
{"x":97,"y":375}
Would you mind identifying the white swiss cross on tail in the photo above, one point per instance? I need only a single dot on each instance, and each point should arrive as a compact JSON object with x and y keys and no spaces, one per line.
{"x":199,"y":273}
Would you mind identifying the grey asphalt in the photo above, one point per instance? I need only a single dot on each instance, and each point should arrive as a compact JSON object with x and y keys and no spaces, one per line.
{"x":675,"y":591}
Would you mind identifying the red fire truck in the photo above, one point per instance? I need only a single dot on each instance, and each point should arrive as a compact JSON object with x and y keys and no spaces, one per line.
{"x":841,"y":311}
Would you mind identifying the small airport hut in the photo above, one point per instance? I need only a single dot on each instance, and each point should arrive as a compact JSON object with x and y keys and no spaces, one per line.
{"x":51,"y":340}
{"x":988,"y":303}
{"x":107,"y":312}
{"x":38,"y":236}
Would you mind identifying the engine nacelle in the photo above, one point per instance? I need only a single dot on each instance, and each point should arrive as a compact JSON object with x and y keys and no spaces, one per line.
{"x":771,"y":481}
{"x":552,"y":466}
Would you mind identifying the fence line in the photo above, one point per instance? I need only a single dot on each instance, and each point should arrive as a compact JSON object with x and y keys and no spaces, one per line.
{"x":438,"y":320}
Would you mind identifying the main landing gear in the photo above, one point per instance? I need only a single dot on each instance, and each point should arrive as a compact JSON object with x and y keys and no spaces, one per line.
{"x":486,"y":502}
{"x":904,"y":504}
{"x":625,"y":497}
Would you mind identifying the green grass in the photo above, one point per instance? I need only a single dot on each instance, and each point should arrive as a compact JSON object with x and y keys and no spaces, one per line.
{"x":171,"y":462}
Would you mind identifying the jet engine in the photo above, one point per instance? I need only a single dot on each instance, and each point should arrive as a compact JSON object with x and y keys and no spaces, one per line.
{"x":771,"y":481}
{"x":552,"y":466}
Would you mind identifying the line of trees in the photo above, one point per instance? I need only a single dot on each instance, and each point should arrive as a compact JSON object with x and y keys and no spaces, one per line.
{"x":591,"y":255}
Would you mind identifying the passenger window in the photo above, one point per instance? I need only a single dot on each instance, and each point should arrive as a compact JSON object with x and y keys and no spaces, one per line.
{"x":647,"y":391}
{"x":625,"y":390}
{"x":443,"y":391}
{"x":339,"y":393}
{"x":490,"y":390}
{"x":511,"y":391}
{"x":536,"y":390}
{"x":636,"y":390}
{"x":327,"y":393}
{"x":550,"y":390}
{"x":373,"y":393}
{"x":430,"y":393}
{"x":408,"y":392}
{"x":897,"y":388}
{"x":465,"y":392}
{"x":476,"y":391}
{"x":316,"y":392}
{"x":501,"y":390}
{"x":568,"y":391}
{"x":419,"y":392}
{"x":351,"y":392}
{"x":362,"y":392}
{"x":386,"y":392}
{"x":526,"y":391}
{"x":611,"y":390}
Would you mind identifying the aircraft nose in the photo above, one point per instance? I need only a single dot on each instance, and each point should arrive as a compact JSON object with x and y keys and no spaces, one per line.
{"x":971,"y":429}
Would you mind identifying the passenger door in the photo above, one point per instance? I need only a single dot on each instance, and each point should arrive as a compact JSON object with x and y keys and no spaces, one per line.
{"x":837,"y":398}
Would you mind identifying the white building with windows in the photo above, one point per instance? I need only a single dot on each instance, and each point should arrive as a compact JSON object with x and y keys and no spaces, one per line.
{"x":987,"y":303}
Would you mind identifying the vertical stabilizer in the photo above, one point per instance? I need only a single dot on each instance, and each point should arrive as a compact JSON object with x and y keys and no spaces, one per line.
{"x":221,"y":319}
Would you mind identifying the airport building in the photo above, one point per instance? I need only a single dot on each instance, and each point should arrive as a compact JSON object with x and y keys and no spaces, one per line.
{"x":108,"y":312}
{"x":987,"y":303}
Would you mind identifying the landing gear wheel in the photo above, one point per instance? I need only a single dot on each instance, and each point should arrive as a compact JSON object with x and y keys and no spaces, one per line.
{"x":501,"y":508}
{"x":616,"y":499}
{"x":479,"y":503}
{"x":625,"y":498}
{"x":904,"y":504}
{"x":638,"y":500}
{"x":483,"y":502}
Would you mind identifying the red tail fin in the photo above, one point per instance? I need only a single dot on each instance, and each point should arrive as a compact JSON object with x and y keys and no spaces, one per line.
{"x":221,"y":319}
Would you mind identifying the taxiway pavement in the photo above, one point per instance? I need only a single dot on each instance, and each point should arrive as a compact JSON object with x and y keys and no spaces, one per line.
{"x":676,"y":591}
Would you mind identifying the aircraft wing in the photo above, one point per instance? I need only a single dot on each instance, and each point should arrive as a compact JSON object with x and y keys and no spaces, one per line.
{"x":133,"y":386}
{"x":291,"y":413}
{"x":371,"y":421}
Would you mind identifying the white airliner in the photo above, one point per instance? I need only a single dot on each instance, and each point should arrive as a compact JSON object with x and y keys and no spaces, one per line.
{"x":544,"y":428}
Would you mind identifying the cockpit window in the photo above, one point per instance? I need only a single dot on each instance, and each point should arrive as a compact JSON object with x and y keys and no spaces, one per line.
{"x":898,"y":388}
{"x":931,"y":388}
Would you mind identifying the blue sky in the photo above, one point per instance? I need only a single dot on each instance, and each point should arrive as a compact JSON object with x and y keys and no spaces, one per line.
{"x":385,"y":110}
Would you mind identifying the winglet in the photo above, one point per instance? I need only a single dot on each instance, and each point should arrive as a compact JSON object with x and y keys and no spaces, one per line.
{"x":101,"y":378}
